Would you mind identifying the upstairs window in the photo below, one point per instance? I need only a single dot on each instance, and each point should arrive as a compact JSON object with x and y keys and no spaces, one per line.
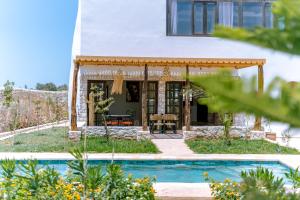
{"x":198,"y":17}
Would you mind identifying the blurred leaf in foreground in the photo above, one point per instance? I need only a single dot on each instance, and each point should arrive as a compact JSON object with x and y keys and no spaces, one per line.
{"x":280,"y":102}
{"x":284,"y":36}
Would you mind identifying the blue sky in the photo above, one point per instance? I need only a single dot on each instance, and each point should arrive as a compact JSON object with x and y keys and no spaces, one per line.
{"x":36,"y":40}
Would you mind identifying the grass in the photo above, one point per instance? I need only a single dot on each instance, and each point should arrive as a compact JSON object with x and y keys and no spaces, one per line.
{"x":55,"y":140}
{"x":238,"y":146}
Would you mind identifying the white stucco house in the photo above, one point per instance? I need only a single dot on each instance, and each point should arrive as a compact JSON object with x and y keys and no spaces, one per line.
{"x":142,"y":48}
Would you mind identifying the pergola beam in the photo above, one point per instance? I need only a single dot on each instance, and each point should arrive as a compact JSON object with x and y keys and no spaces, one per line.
{"x":232,"y":63}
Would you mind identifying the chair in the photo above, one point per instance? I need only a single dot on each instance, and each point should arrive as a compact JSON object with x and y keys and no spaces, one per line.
{"x":170,"y":121}
{"x":156,"y":120}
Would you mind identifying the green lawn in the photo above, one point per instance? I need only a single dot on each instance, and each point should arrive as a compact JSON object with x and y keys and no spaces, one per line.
{"x":238,"y":146}
{"x":55,"y":140}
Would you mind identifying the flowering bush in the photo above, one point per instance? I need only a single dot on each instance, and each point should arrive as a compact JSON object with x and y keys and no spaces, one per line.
{"x":256,"y":184}
{"x":227,"y":190}
{"x":26,"y":180}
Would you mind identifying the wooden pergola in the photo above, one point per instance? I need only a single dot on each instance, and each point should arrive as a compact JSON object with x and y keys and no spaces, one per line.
{"x":145,"y":62}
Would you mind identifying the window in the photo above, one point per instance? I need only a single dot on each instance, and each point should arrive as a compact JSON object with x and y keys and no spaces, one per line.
{"x":189,"y":17}
{"x":199,"y":17}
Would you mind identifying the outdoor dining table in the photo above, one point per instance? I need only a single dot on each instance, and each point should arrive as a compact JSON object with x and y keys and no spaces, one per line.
{"x":119,"y":120}
{"x":162,"y":121}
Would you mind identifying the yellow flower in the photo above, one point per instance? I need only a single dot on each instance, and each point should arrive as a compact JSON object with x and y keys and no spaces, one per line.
{"x":77,"y":196}
{"x":152,"y":190}
{"x":227,"y":180}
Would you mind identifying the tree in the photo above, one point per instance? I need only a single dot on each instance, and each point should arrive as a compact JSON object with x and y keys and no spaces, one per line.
{"x":8,"y":93}
{"x":13,"y":104}
{"x":51,"y":87}
{"x":227,"y":121}
{"x":47,"y":86}
{"x":63,"y":87}
{"x":102,"y":106}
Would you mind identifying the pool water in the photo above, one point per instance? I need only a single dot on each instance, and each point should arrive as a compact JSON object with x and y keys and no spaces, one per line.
{"x":182,"y":171}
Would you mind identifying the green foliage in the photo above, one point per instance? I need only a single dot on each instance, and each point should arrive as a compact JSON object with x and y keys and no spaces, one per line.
{"x":8,"y":93}
{"x":238,"y":146}
{"x":47,"y":86}
{"x":256,"y":184}
{"x":56,"y":140}
{"x":227,"y":190}
{"x":280,"y":101}
{"x":262,"y":184}
{"x":42,"y":183}
{"x":227,"y":121}
{"x":285,"y":36}
{"x":63,"y":87}
{"x":51,"y":87}
{"x":294,"y":176}
{"x":102,"y":105}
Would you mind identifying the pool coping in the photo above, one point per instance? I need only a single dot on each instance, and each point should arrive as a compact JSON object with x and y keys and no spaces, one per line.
{"x":291,"y":161}
{"x":168,"y":190}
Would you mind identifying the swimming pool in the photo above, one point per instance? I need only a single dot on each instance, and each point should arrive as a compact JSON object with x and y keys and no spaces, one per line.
{"x":181,"y":171}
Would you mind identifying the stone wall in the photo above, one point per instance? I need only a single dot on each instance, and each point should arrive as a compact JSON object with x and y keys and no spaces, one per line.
{"x":122,"y":132}
{"x":161,"y":97}
{"x":218,"y":131}
{"x":26,"y":107}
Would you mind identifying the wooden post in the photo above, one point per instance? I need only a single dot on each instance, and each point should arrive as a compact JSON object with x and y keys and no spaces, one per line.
{"x":144,"y":100}
{"x":74,"y":98}
{"x":260,"y":91}
{"x":187,"y":100}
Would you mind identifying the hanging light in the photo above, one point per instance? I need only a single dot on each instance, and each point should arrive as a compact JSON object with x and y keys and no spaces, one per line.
{"x":166,"y":74}
{"x":118,"y":83}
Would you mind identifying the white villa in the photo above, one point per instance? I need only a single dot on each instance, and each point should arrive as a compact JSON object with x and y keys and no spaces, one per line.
{"x":137,"y":52}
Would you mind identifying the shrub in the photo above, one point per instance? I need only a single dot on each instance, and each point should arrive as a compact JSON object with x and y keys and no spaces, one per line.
{"x":256,"y":184}
{"x":28,"y":180}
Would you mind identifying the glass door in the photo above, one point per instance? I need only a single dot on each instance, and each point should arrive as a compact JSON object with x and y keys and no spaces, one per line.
{"x":152,"y":99}
{"x":174,"y":100}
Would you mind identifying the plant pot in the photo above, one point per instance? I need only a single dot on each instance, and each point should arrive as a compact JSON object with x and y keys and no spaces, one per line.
{"x":271,"y":136}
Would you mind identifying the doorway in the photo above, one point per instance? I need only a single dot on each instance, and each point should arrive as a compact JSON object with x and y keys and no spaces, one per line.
{"x":174,"y":100}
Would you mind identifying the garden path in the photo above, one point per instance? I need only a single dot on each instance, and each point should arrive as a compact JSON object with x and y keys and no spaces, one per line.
{"x":172,"y":147}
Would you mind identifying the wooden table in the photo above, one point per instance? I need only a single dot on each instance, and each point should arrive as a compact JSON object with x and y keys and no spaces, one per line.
{"x":120,"y":120}
{"x":162,"y":121}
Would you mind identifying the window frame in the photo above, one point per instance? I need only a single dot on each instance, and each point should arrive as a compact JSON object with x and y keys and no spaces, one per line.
{"x":194,"y":34}
{"x":205,"y":34}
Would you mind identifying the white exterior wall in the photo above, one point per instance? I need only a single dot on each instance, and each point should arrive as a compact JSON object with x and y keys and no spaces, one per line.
{"x":138,"y":28}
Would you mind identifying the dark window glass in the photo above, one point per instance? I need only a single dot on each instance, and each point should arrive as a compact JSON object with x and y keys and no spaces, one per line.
{"x":184,"y":17}
{"x":236,"y":14}
{"x":211,"y":17}
{"x":198,"y":18}
{"x":252,"y":14}
{"x":268,"y":16}
{"x":195,"y":17}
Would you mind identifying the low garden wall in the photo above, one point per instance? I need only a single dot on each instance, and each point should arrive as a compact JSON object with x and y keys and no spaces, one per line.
{"x":218,"y":131}
{"x":122,"y":132}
